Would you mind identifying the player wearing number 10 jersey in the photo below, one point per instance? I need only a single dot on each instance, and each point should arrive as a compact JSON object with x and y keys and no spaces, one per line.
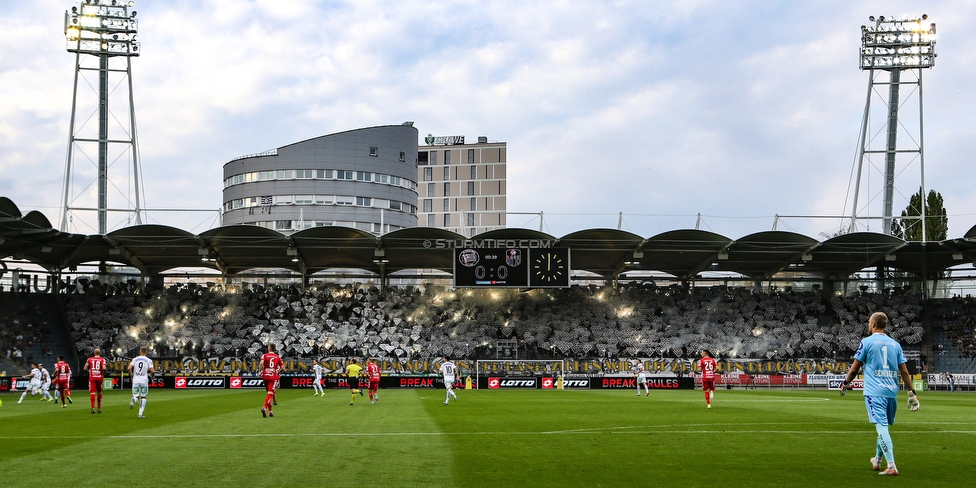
{"x":96,"y":366}
{"x":271,"y":368}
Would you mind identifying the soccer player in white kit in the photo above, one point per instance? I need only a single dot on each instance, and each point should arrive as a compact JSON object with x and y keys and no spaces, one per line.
{"x":45,"y":384}
{"x":35,"y":382}
{"x":317,"y":384}
{"x":449,"y":370}
{"x":642,"y":379}
{"x":140,"y":368}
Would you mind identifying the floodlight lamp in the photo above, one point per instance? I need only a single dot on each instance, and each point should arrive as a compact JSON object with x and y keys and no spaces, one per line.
{"x":925,"y":16}
{"x":871,"y":18}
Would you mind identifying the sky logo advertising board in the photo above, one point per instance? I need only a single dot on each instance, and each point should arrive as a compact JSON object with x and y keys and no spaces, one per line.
{"x":239,"y":382}
{"x":183,"y":382}
{"x":855,"y":385}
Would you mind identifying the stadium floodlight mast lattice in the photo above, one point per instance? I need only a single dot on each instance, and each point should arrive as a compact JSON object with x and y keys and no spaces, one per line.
{"x":107,"y":30}
{"x":893,"y":46}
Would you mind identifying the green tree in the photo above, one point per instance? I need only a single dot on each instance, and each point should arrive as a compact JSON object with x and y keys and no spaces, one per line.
{"x":936,"y":220}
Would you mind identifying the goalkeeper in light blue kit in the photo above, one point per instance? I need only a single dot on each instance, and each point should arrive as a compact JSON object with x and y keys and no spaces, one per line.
{"x":884,"y":362}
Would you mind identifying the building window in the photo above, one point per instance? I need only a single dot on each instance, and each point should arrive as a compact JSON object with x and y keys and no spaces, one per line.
{"x":403,"y":156}
{"x":283,"y":224}
{"x":447,"y":173}
{"x":470,"y":156}
{"x":447,"y":156}
{"x":428,"y":205}
{"x":470,"y":219}
{"x":395,"y":205}
{"x":474,"y":172}
{"x":303,"y":199}
{"x":344,"y":175}
{"x":433,"y":158}
{"x":422,"y":158}
{"x":431,"y":190}
{"x":428,"y":174}
{"x":343,"y":200}
{"x":395,"y":180}
{"x":284,"y":174}
{"x":374,"y":151}
{"x":447,"y":189}
{"x":470,"y":188}
{"x":364,"y":176}
{"x":430,"y":220}
{"x":323,"y":174}
{"x":382,"y":178}
{"x":474,"y":203}
{"x":303,"y":174}
{"x":324,"y":199}
{"x":284,"y":199}
{"x":447,"y":205}
{"x":447,"y":220}
{"x":364,"y":201}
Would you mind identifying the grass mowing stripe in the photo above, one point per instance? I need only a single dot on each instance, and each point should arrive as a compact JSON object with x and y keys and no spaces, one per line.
{"x":488,"y":438}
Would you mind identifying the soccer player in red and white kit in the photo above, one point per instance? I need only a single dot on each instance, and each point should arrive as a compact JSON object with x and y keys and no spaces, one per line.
{"x":707,"y":366}
{"x":271,"y":368}
{"x":374,"y":373}
{"x":62,"y":381}
{"x":96,"y":366}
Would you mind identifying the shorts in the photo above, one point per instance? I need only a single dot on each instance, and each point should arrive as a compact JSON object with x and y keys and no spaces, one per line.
{"x":641,"y":378}
{"x":374,"y":384}
{"x":46,"y":386}
{"x":95,"y":386}
{"x":881,"y":410}
{"x":270,"y":384}
{"x":142,"y":389}
{"x":708,"y":384}
{"x":353,"y":382}
{"x":448,"y":382}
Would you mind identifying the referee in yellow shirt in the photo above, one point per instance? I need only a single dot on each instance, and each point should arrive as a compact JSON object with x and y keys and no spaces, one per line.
{"x":352,"y":377}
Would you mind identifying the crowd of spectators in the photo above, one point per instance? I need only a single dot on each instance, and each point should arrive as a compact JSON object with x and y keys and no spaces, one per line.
{"x":955,"y":317}
{"x":21,"y":328}
{"x":430,"y":321}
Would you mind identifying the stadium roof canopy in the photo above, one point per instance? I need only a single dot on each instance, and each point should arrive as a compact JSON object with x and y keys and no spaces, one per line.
{"x":684,"y":254}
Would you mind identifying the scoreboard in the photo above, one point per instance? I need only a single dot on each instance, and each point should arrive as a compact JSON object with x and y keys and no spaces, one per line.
{"x":511,"y":267}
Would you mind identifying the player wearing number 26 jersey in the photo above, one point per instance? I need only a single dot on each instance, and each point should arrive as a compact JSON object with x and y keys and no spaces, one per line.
{"x":707,"y":366}
{"x":374,"y":374}
{"x":96,"y":366}
{"x":271,"y":368}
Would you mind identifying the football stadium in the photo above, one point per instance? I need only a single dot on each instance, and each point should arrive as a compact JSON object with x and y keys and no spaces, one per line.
{"x":338,"y":329}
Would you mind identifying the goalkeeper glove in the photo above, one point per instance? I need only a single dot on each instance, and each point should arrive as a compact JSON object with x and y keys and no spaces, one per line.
{"x":843,"y":388}
{"x":913,"y":401}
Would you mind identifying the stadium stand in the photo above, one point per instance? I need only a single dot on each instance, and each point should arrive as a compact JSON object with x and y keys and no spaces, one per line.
{"x":423,"y":322}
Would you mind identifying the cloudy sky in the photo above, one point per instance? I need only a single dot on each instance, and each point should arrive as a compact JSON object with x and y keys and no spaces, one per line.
{"x":734,"y":111}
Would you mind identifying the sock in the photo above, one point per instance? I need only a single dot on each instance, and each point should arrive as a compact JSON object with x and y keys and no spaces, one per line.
{"x":454,"y":394}
{"x":267,"y":401}
{"x":92,"y":397}
{"x":353,"y":398}
{"x":884,"y":443}
{"x":142,"y":406}
{"x":708,"y":399}
{"x":22,"y":396}
{"x":99,"y":401}
{"x":447,"y":397}
{"x":877,"y":450}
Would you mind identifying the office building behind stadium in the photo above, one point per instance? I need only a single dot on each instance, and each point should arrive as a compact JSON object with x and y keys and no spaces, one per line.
{"x":362,"y":178}
{"x":462,"y":186}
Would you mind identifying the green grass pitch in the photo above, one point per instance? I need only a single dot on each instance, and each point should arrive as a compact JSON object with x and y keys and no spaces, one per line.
{"x":211,"y":438}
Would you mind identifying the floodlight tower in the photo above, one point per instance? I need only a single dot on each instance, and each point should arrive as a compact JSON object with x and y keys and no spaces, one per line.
{"x":106,"y":30}
{"x":896,"y":47}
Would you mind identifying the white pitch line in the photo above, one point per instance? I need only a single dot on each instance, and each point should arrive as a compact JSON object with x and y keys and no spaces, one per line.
{"x":646,"y":429}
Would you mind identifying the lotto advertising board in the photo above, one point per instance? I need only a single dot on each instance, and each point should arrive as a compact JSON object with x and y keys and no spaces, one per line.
{"x":198,"y":382}
{"x":507,"y":383}
{"x":551,"y":383}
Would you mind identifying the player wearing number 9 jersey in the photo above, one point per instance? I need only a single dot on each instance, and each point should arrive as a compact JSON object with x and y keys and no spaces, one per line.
{"x":271,"y":368}
{"x":140,"y":368}
{"x":884,"y":363}
{"x":96,"y":366}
